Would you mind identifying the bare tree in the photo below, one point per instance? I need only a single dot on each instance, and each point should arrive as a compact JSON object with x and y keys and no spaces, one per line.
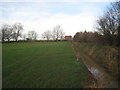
{"x":6,"y":32}
{"x":32,"y":35}
{"x":47,"y":35}
{"x":57,"y":32}
{"x":108,"y":24}
{"x":62,"y":34}
{"x":116,"y":8}
{"x":53,"y":36}
{"x":17,"y":27}
{"x":24,"y":36}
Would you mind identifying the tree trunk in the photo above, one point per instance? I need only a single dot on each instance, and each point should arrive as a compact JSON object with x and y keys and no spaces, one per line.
{"x":8,"y":39}
{"x":16,"y":39}
{"x":3,"y":40}
{"x":118,"y":36}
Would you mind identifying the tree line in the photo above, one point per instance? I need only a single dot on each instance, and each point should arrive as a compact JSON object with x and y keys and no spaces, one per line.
{"x":56,"y":34}
{"x":9,"y":32}
{"x":14,"y":32}
{"x":107,"y":26}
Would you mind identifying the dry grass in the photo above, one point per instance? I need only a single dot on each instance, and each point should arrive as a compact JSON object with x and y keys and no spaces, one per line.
{"x":104,"y":56}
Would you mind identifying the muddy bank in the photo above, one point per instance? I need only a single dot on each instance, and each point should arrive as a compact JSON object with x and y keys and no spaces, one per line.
{"x":104,"y":80}
{"x":91,"y":82}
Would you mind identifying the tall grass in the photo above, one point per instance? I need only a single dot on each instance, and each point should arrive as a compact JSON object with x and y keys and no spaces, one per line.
{"x":104,"y":56}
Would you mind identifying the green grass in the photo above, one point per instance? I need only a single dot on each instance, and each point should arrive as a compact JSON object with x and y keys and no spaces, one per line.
{"x":42,"y":65}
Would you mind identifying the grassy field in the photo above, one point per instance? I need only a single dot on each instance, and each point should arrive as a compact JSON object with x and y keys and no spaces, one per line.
{"x":42,"y":65}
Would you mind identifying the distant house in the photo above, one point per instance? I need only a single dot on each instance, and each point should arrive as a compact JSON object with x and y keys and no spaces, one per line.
{"x":68,"y":37}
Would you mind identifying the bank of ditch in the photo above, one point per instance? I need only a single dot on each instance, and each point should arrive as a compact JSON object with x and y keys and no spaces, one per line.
{"x":102,"y":62}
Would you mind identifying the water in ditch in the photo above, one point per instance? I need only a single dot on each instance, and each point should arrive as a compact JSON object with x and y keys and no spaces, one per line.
{"x":104,"y":80}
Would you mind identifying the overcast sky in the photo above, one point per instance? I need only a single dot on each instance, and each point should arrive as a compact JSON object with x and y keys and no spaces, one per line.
{"x":72,"y":15}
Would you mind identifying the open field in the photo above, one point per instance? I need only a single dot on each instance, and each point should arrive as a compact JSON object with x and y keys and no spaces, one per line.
{"x":41,"y":65}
